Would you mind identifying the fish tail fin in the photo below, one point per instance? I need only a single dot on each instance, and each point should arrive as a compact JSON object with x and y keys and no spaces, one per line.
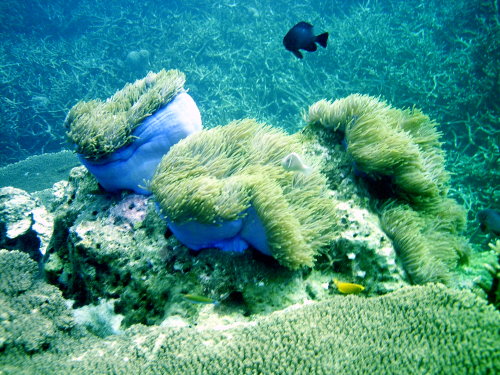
{"x":307,"y":171}
{"x":322,"y":39}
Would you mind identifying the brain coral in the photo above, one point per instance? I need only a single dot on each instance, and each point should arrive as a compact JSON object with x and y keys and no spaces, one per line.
{"x":226,"y":188}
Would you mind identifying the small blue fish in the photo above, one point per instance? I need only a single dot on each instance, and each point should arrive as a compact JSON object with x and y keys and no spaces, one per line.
{"x":193,"y":298}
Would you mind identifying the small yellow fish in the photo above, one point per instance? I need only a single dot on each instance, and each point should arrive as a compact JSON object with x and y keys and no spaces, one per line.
{"x":193,"y":298}
{"x":348,"y":288}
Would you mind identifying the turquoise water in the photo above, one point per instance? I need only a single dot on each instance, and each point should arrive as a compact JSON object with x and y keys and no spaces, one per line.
{"x":439,"y":56}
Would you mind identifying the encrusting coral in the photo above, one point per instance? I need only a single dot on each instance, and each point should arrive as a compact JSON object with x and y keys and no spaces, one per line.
{"x":402,"y":147}
{"x":230,"y":181}
{"x":33,"y":314}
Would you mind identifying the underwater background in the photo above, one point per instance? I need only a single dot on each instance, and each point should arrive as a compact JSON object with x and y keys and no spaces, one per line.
{"x":94,"y":282}
{"x":441,"y":57}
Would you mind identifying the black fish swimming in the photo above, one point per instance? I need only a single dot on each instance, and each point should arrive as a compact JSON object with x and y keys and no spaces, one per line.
{"x":301,"y":36}
{"x":489,"y":221}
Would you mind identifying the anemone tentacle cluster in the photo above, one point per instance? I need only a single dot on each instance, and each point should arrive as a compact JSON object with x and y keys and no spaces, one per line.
{"x":226,"y":188}
{"x":403,"y":147}
{"x":122,"y":139}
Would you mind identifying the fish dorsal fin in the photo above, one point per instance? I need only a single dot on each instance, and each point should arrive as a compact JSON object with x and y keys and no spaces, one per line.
{"x":304,"y":25}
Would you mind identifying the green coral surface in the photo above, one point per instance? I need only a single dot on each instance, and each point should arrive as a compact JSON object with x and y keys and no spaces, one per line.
{"x":33,"y":314}
{"x":424,"y":330}
{"x":399,"y":152}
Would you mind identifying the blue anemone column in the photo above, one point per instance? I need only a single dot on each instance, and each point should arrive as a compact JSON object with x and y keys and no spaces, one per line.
{"x":132,"y":166}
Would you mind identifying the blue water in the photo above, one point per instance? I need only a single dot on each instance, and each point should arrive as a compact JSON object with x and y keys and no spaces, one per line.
{"x":439,"y":56}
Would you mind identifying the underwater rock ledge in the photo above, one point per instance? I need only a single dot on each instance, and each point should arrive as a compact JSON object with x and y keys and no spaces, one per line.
{"x":117,"y":247}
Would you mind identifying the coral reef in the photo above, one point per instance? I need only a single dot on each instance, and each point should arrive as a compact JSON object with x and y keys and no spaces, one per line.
{"x":117,"y":247}
{"x":33,"y":314}
{"x":114,"y":256}
{"x":415,"y":329}
{"x":398,"y":154}
{"x":32,"y":173}
{"x":362,"y":252}
{"x":74,"y":53}
{"x":114,"y":247}
{"x":18,"y":272}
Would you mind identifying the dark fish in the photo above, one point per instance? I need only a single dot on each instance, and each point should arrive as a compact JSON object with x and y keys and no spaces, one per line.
{"x":489,"y":221}
{"x":301,"y":36}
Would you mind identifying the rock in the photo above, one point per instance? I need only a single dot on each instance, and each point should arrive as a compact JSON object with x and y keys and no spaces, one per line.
{"x":23,"y":218}
{"x":115,"y":246}
{"x":16,"y":207}
{"x":366,"y":251}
